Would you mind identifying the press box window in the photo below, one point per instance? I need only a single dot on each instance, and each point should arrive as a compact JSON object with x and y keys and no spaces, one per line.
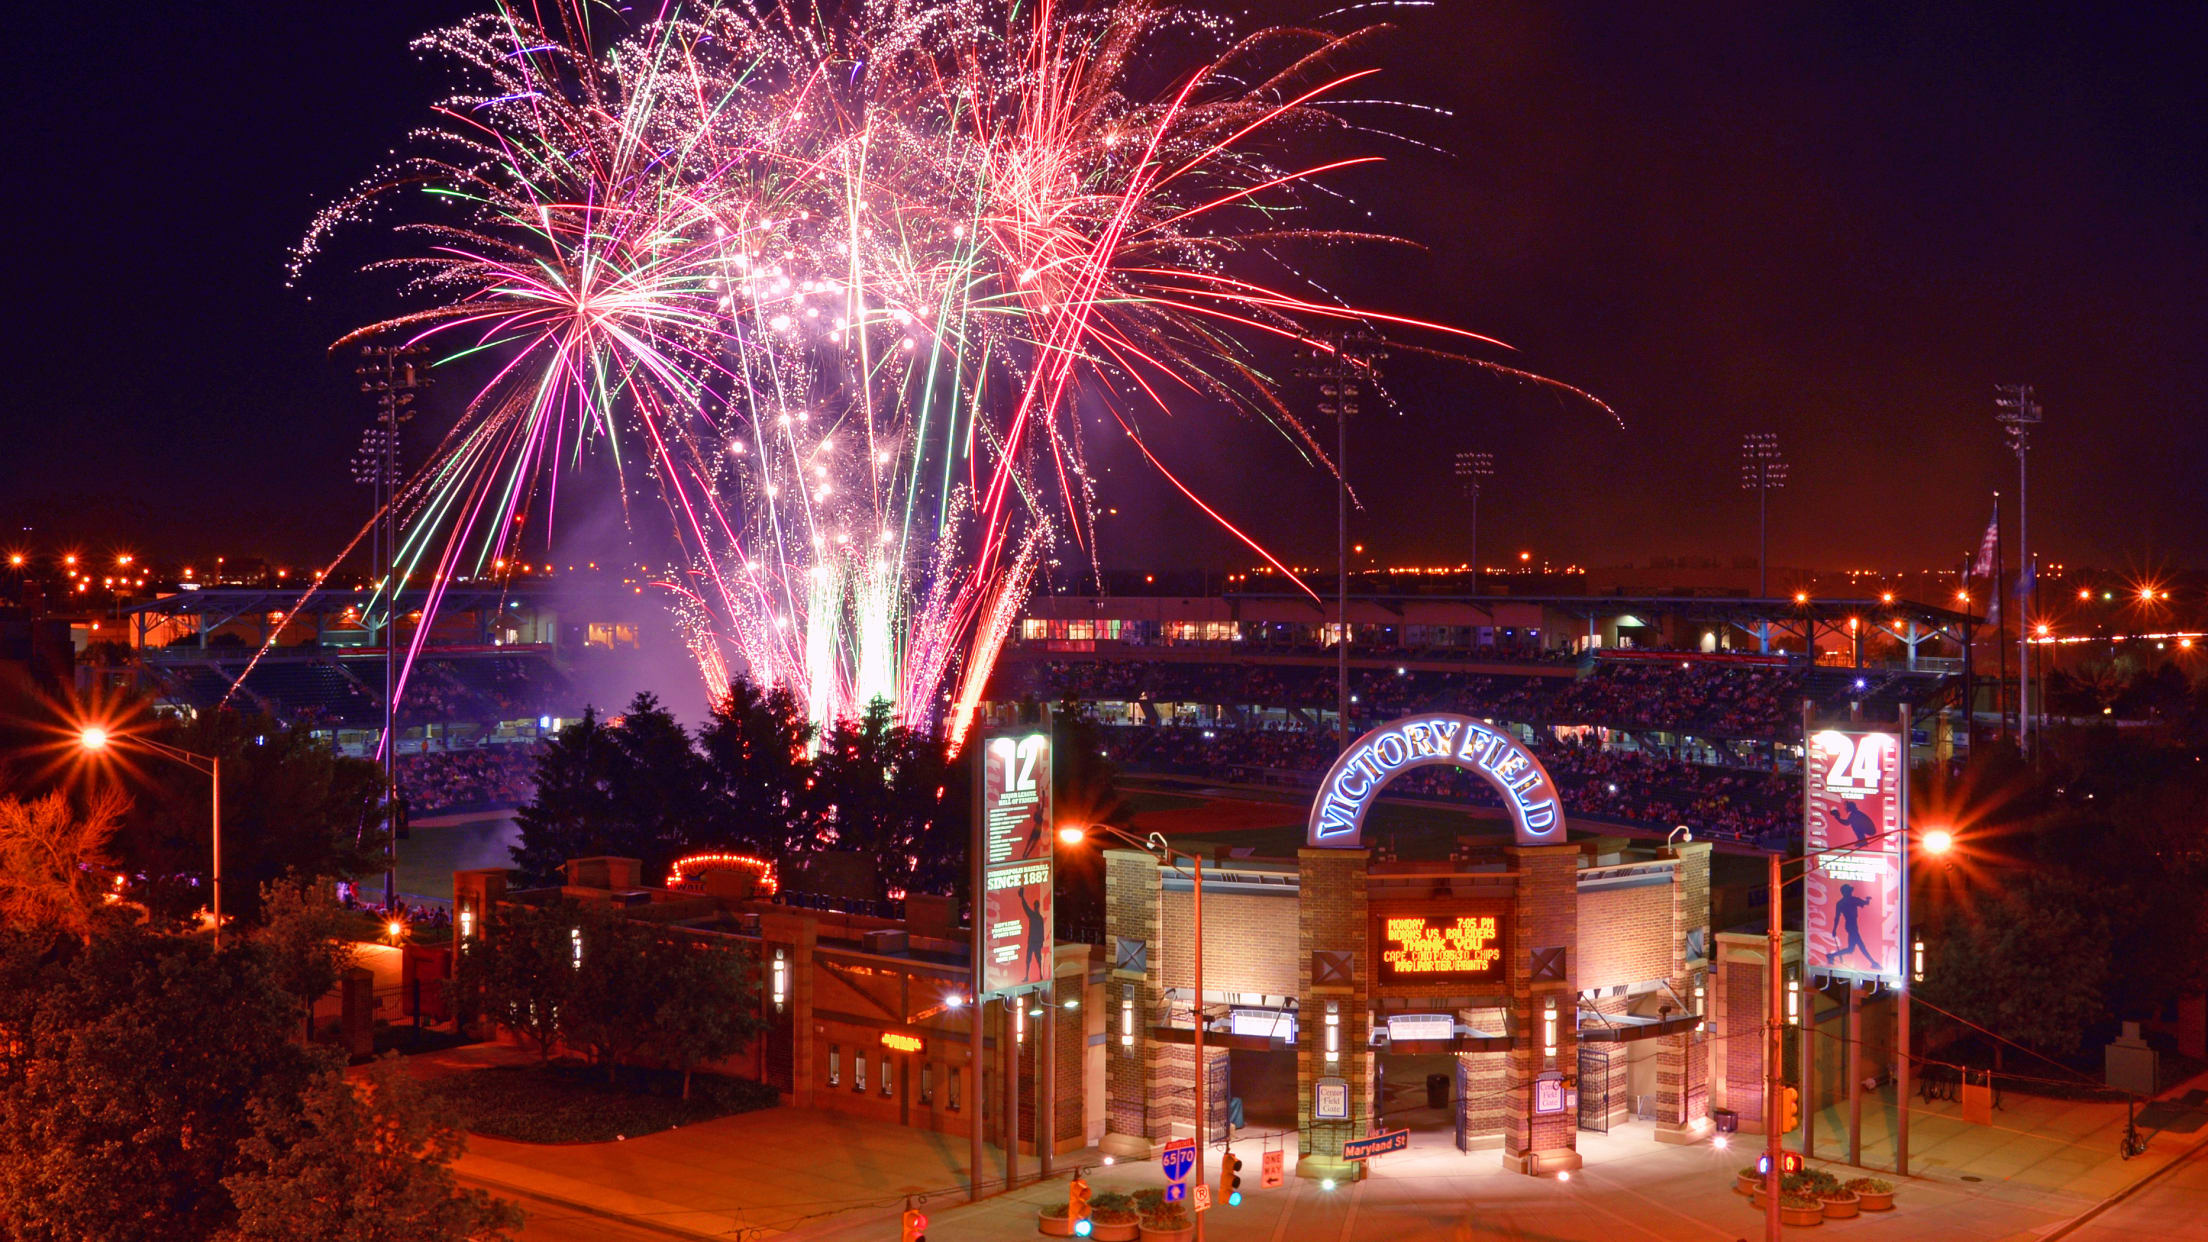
{"x":858,"y":1072}
{"x":835,"y":1065}
{"x":887,"y":1088}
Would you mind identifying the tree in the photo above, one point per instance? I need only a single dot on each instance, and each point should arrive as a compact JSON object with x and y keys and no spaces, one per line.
{"x":609,"y":1010}
{"x":521,"y":972}
{"x":307,"y":937}
{"x":49,"y":861}
{"x":364,"y":1161}
{"x":633,"y":787}
{"x":291,"y":806}
{"x":757,"y":755}
{"x":703,"y":1005}
{"x":128,"y":1084}
{"x":886,"y":791}
{"x":2029,"y":965}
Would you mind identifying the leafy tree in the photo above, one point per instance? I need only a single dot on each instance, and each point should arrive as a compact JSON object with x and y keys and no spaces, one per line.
{"x":609,"y":1011}
{"x":364,"y":1161}
{"x":758,"y":762}
{"x":307,"y":937}
{"x":127,"y":1086}
{"x":703,"y":1005}
{"x":48,"y":860}
{"x":634,"y":787}
{"x":290,"y":807}
{"x":521,"y":973}
{"x":2025,"y":964}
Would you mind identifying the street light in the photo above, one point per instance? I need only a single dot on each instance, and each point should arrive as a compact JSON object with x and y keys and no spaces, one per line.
{"x":97,"y":739}
{"x":1157,"y":844}
{"x":1780,"y":1010}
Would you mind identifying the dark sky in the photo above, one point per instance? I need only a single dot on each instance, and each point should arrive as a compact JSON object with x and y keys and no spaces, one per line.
{"x":1843,"y":223}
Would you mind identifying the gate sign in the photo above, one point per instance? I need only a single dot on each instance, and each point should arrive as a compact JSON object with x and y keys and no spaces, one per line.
{"x":1355,"y":780}
{"x":1854,"y":897}
{"x":1178,"y":1158}
{"x":1014,"y":817}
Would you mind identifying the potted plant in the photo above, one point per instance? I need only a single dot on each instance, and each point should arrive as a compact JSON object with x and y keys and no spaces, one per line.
{"x":1168,"y":1222}
{"x":1801,"y":1210}
{"x":1873,"y":1194}
{"x":1052,"y":1222}
{"x":1113,"y":1217}
{"x":1749,"y":1181}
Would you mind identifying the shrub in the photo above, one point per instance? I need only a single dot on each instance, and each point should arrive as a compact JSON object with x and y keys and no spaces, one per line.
{"x":1168,"y":1216}
{"x":1870,"y":1186}
{"x":1114,"y":1207}
{"x":1801,"y":1203}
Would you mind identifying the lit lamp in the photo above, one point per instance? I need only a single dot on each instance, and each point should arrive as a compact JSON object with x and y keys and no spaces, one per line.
{"x":97,"y":739}
{"x":1548,"y":1028}
{"x":1916,"y":961}
{"x":1793,"y":1002}
{"x":781,"y":981}
{"x":1333,"y":1032}
{"x":1700,"y":1013}
{"x":1127,"y":1019}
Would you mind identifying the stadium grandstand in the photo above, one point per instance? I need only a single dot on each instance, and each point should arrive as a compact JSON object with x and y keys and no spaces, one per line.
{"x":496,"y":674}
{"x":1649,"y":712}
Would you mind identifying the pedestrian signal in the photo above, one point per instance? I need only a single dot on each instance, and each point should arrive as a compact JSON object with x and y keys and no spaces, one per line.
{"x":916,"y":1225}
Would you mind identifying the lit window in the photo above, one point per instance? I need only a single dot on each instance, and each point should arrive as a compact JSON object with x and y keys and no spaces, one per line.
{"x":835,"y":1065}
{"x":858,"y":1072}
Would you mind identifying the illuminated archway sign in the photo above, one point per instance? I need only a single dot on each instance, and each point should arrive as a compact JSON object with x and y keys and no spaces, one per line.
{"x":1355,"y":780}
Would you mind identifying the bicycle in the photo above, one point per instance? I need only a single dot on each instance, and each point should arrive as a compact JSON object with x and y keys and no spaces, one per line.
{"x":2133,"y":1143}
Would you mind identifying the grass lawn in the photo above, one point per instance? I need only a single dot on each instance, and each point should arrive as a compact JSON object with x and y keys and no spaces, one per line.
{"x":569,"y":1102}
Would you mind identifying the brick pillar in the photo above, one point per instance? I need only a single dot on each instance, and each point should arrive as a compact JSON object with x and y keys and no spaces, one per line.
{"x":1683,"y":1061}
{"x":1483,"y":1105}
{"x":1131,"y":1074}
{"x":1545,"y":915}
{"x":1332,"y":917}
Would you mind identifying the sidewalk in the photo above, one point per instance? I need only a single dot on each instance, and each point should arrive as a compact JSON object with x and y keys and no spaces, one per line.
{"x":825,"y":1177}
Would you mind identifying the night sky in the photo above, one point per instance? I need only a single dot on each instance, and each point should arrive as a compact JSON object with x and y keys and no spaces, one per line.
{"x":1842,"y":223}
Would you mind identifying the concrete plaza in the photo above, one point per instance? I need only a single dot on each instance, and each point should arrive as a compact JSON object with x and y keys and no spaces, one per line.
{"x":813,"y":1174}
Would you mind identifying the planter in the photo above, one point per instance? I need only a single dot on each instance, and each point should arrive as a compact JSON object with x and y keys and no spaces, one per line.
{"x":1058,"y":1226}
{"x":1876,"y":1202}
{"x":1186,"y":1233}
{"x":1801,"y":1215}
{"x":1842,"y":1206}
{"x":1747,"y":1183}
{"x":1114,"y":1231}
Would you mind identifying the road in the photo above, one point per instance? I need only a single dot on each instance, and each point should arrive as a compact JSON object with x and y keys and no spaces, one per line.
{"x":2173,"y":1207}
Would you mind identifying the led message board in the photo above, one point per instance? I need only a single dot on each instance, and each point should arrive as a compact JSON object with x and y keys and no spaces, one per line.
{"x":1417,"y":950}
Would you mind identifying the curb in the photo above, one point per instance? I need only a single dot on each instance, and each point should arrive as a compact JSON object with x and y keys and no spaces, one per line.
{"x":2083,"y":1218}
{"x":634,"y":1222}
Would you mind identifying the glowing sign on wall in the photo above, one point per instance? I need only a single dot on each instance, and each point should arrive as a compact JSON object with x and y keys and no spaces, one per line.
{"x":902,"y":1043}
{"x":1355,"y":780}
{"x":1450,"y":948}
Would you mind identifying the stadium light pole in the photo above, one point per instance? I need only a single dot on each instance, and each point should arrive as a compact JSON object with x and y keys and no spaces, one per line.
{"x":1155,"y":843}
{"x":1341,"y":363}
{"x":98,"y":739}
{"x":2019,"y":412}
{"x":1471,"y":468}
{"x":1762,"y":469}
{"x":388,"y":373}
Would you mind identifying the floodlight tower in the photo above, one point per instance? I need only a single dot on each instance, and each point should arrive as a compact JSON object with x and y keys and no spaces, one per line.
{"x":388,"y":373}
{"x":1471,"y":468}
{"x":2018,"y":413}
{"x":1762,"y":470}
{"x":1342,"y":363}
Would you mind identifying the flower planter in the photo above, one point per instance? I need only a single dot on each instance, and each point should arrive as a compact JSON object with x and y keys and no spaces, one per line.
{"x":1114,"y":1230}
{"x":1842,"y":1206}
{"x":1186,"y":1233}
{"x":1747,"y":1183}
{"x":1058,"y":1226}
{"x":1876,"y":1202}
{"x":1801,"y":1215}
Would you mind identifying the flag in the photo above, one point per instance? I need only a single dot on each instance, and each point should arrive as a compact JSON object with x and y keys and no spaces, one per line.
{"x":2025,"y":581}
{"x":1987,"y":546}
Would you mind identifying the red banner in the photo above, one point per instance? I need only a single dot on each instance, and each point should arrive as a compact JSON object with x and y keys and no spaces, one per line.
{"x":1015,"y":941}
{"x":1854,"y":895}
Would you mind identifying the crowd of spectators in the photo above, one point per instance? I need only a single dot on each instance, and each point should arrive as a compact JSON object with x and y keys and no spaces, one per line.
{"x":1628,"y":785}
{"x":487,"y":776}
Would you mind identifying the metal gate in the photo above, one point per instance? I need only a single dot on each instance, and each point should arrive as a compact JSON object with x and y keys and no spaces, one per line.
{"x":1219,"y":1087}
{"x":1462,"y":1105}
{"x":1594,"y":1090}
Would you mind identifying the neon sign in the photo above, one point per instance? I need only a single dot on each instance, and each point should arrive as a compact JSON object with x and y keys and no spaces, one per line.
{"x":901,"y":1043}
{"x":1355,"y":780}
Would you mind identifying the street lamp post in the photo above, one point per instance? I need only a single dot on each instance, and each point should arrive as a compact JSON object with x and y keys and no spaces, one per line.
{"x":96,"y":739}
{"x":1935,"y":841}
{"x":1157,"y":844}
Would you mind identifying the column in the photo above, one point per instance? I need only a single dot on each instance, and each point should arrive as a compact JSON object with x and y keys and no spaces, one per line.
{"x":1131,"y":1069}
{"x":1683,"y":1060}
{"x":1333,"y":976}
{"x":1543,"y":971}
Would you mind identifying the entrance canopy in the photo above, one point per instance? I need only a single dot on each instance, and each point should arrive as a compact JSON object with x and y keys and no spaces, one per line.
{"x":1354,"y":782}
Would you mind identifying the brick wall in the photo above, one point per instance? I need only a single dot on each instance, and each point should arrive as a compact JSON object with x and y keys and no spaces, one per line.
{"x":1546,"y":915}
{"x":1742,"y":1032}
{"x":1131,"y":911}
{"x":1246,"y":948}
{"x":1626,"y":935}
{"x":1332,"y":913}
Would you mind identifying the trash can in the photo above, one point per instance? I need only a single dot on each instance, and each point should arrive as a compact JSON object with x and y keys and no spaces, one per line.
{"x":1728,"y":1121}
{"x":1437,"y":1090}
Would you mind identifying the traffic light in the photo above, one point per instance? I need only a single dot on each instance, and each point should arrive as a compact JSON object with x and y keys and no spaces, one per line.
{"x":1790,"y":1109}
{"x":1789,"y":1162}
{"x":916,"y":1225}
{"x":1077,"y":1205}
{"x":1230,"y":1180}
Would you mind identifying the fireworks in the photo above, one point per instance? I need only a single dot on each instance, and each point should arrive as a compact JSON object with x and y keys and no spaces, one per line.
{"x":834,"y":289}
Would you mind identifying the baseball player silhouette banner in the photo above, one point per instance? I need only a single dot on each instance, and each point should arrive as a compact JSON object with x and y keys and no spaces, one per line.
{"x":1016,"y":949}
{"x":1854,"y":807}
